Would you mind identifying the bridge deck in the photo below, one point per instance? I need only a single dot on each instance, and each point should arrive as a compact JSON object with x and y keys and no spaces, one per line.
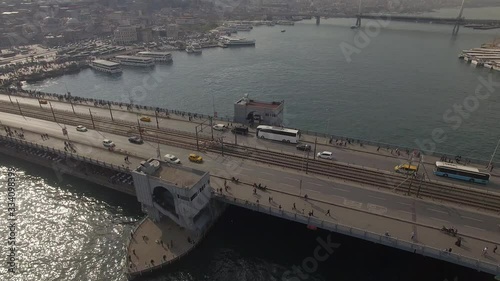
{"x":369,"y":214}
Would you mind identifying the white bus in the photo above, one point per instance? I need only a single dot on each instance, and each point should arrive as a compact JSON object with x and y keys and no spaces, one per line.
{"x":460,"y":172}
{"x":278,"y":134}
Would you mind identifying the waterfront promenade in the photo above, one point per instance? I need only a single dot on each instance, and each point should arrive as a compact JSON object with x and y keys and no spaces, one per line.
{"x":367,"y":213}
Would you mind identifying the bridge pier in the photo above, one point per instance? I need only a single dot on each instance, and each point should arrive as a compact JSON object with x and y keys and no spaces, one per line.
{"x":318,"y":19}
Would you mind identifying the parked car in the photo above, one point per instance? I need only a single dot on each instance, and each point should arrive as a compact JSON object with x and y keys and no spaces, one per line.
{"x":42,"y":102}
{"x":325,"y":155}
{"x":81,"y":128}
{"x":171,"y":159}
{"x":136,"y":140}
{"x":145,"y":119}
{"x":304,"y":147}
{"x":195,"y":158}
{"x":219,"y":127}
{"x":108,"y":143}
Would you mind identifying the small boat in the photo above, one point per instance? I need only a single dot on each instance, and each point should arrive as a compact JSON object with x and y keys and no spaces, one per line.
{"x":283,"y":30}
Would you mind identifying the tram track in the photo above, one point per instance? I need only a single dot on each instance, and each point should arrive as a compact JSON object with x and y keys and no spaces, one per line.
{"x":348,"y":173}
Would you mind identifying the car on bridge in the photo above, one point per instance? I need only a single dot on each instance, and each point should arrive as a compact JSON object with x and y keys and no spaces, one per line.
{"x":219,"y":127}
{"x":81,"y":128}
{"x":304,"y":147}
{"x":108,"y":143}
{"x":136,"y":140}
{"x":171,"y":159}
{"x":42,"y":101}
{"x":145,"y":119}
{"x":195,"y":158}
{"x":325,"y":155}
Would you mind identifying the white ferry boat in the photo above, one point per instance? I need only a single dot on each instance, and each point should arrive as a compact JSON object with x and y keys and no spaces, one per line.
{"x":194,"y":48}
{"x":244,"y":27}
{"x":106,"y":66}
{"x":157,"y":56}
{"x":231,"y":41}
{"x":135,"y":61}
{"x":285,"y":22}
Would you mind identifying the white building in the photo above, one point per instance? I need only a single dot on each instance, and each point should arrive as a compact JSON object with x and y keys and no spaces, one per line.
{"x":125,"y":35}
{"x":179,"y":193}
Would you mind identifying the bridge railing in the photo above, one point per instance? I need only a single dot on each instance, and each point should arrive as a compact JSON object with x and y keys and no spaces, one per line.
{"x":65,"y":154}
{"x":366,"y":235}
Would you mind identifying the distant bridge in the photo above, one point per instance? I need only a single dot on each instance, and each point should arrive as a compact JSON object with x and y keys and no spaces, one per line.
{"x":418,"y":19}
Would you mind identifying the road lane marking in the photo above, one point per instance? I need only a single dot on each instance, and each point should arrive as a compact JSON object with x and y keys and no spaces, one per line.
{"x":266,"y":173}
{"x":313,"y":183}
{"x":341,"y":189}
{"x":376,"y":208}
{"x":353,"y":204}
{"x":474,"y":227}
{"x":287,"y":184}
{"x":438,"y":219}
{"x":410,"y":213}
{"x":437,"y":211}
{"x":312,"y":190}
{"x":245,"y":168}
{"x":379,"y":198}
{"x":291,"y":178}
{"x":469,"y":218}
{"x":402,"y":203}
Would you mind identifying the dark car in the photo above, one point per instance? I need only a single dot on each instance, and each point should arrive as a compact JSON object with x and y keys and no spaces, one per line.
{"x":136,"y":140}
{"x":240,"y":130}
{"x":304,"y":147}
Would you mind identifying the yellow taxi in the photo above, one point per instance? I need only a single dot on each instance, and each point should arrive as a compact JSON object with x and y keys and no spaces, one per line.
{"x":195,"y":158}
{"x":406,"y":169}
{"x":145,"y":119}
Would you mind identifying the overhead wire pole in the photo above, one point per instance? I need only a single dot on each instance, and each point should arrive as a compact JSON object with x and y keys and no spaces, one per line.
{"x":92,"y":119}
{"x":157,"y":124}
{"x":52,"y":109}
{"x":8,"y":94}
{"x":315,"y":142}
{"x":493,"y":155}
{"x":197,"y":143}
{"x":20,"y":111}
{"x":110,"y":111}
{"x":139,"y":128}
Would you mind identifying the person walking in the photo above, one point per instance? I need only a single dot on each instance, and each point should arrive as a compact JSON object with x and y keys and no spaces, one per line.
{"x":328,"y":212}
{"x":495,"y":249}
{"x":412,"y":235}
{"x":485,"y":251}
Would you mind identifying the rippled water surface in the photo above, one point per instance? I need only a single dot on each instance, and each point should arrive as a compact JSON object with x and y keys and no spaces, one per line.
{"x":395,"y":88}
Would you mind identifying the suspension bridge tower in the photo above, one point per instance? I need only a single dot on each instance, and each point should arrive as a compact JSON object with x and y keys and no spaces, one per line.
{"x":459,"y":19}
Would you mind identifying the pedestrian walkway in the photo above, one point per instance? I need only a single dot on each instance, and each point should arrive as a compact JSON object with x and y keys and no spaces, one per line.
{"x":316,"y":209}
{"x":153,"y":245}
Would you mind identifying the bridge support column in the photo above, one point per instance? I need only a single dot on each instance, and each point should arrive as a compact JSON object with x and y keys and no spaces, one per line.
{"x":318,"y":19}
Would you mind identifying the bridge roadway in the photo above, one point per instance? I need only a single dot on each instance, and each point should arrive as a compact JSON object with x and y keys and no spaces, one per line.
{"x":380,"y":16}
{"x":354,"y":154}
{"x":369,"y":211}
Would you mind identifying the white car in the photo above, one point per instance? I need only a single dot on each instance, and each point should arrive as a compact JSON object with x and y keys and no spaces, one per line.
{"x":108,"y":143}
{"x":81,"y":128}
{"x":325,"y":155}
{"x":171,"y":159}
{"x":219,"y":127}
